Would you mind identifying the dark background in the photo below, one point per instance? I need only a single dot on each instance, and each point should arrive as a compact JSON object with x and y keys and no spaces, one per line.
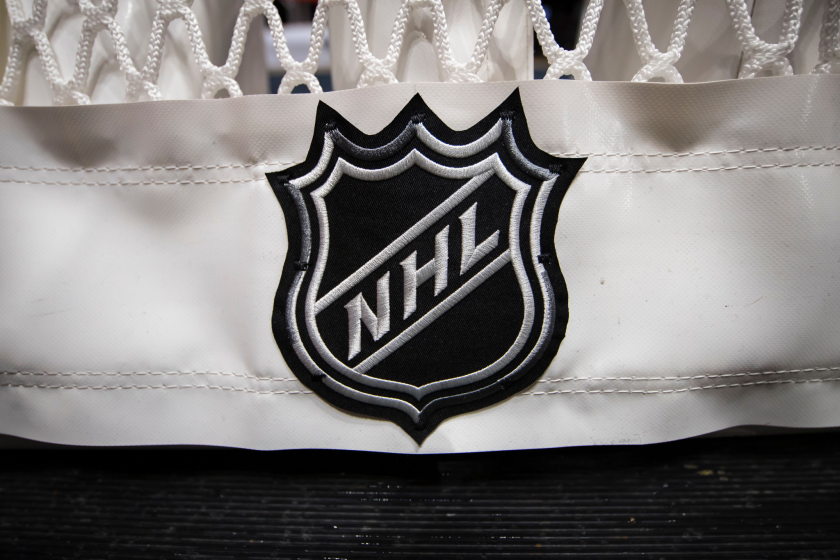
{"x":757,"y":497}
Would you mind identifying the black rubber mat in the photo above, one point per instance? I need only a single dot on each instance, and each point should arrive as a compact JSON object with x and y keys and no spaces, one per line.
{"x":765,"y":497}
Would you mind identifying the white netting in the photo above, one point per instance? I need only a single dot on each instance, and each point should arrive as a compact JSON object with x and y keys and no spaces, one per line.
{"x":830,"y":40}
{"x":760,"y":55}
{"x":28,"y":31}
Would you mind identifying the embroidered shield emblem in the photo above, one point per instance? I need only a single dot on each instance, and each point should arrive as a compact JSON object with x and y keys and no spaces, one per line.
{"x":421,"y":279}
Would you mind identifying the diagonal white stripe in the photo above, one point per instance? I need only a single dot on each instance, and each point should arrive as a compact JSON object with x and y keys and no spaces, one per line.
{"x":402,"y":241}
{"x":435,"y":313}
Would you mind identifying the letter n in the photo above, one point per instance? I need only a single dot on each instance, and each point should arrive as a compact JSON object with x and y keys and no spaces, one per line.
{"x":358,"y":312}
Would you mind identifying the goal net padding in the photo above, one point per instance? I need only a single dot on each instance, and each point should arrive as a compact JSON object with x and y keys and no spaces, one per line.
{"x":146,"y":238}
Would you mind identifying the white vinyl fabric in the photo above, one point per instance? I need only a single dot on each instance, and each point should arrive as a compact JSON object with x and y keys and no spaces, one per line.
{"x":141,"y":249}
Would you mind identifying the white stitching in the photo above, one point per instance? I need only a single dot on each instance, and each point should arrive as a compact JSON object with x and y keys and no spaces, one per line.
{"x":132,"y":373}
{"x":148,"y":167}
{"x":251,"y":180}
{"x":653,"y":392}
{"x":102,"y":387}
{"x":292,"y":379}
{"x":535,"y":393}
{"x":116,"y":183}
{"x":557,"y":154}
{"x":477,"y":173}
{"x":690,"y":154}
{"x":676,"y":378}
{"x":732,"y":168}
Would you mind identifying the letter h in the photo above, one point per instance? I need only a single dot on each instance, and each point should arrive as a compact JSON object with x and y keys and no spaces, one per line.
{"x":437,"y":267}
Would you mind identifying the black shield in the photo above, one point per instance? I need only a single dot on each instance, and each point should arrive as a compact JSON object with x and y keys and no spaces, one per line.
{"x":421,"y":279}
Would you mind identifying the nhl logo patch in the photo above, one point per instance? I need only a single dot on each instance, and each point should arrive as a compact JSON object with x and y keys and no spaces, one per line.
{"x":421,"y":279}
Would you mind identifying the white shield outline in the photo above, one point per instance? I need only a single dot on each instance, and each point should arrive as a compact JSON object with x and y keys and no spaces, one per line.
{"x":491,"y":165}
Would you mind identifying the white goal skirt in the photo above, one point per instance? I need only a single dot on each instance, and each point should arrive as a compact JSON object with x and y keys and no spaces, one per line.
{"x":142,"y":247}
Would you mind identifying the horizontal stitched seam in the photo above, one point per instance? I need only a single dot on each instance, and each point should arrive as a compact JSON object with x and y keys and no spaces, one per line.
{"x":565,"y":154}
{"x":535,"y":393}
{"x":732,"y":168}
{"x":117,"y":387}
{"x":130,"y":183}
{"x":132,"y":373}
{"x":231,"y":181}
{"x":676,"y":378}
{"x":278,"y":379}
{"x":148,"y":168}
{"x":709,"y":153}
{"x":685,"y":390}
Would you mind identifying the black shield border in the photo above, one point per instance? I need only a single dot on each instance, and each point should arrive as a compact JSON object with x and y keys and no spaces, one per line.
{"x":565,"y":168}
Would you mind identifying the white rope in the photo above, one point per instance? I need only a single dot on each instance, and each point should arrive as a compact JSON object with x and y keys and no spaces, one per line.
{"x":759,"y":55}
{"x":562,"y":62}
{"x":382,"y":70}
{"x":657,"y":64}
{"x":28,"y":32}
{"x":829,"y":61}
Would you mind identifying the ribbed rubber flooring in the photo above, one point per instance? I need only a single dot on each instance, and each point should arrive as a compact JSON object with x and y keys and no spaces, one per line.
{"x":767,"y":497}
